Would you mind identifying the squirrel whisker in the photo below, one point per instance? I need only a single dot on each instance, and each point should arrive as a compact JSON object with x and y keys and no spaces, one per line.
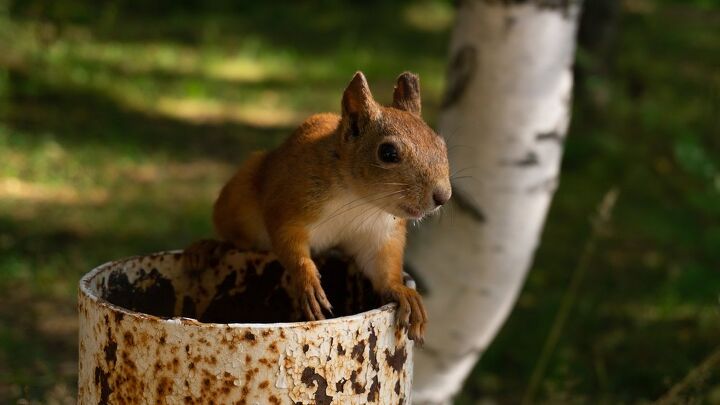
{"x":359,"y":202}
{"x":456,"y":172}
{"x":380,"y":167}
{"x":351,"y":202}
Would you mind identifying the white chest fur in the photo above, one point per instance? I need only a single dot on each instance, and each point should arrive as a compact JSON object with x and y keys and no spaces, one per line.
{"x":352,"y":223}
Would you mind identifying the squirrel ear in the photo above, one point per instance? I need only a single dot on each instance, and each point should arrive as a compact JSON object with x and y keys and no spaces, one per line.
{"x":357,"y":99}
{"x":407,"y":93}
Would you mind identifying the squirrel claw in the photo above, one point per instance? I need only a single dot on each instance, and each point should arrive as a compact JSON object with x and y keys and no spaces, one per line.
{"x":322,"y":299}
{"x":411,"y":314}
{"x":311,"y":309}
{"x":313,"y":301}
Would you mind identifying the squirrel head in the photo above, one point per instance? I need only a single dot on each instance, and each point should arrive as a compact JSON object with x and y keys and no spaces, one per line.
{"x":391,"y":157}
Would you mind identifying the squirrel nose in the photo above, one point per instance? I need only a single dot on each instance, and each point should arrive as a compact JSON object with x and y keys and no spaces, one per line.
{"x":441,"y":197}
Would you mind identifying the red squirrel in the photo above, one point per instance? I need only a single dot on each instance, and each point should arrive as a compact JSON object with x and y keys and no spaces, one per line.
{"x":350,"y":181}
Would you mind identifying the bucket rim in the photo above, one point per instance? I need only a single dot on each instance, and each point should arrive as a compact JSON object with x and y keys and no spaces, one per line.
{"x":86,"y":293}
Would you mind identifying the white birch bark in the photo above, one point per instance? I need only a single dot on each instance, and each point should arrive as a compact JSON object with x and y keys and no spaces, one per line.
{"x":505,"y":116}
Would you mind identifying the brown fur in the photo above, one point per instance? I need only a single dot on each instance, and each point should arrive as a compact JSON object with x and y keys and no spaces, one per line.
{"x":292,"y":199}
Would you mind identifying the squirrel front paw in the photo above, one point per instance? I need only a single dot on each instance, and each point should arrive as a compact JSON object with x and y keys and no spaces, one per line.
{"x":310,"y":294}
{"x":411,"y":311}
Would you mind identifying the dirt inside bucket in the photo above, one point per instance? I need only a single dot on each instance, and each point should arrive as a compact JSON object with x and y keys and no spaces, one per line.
{"x":243,"y":287}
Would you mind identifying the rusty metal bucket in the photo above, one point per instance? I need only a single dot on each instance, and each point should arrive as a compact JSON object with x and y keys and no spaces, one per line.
{"x":150,"y":333}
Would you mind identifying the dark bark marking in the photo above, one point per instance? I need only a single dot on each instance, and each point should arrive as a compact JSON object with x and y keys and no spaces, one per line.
{"x":460,"y":73}
{"x":563,"y":6}
{"x":529,"y":160}
{"x":546,"y":186}
{"x":509,"y":23}
{"x":462,"y":202}
{"x":550,"y":136}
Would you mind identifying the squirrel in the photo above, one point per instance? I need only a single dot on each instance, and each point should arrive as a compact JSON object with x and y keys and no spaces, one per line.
{"x":351,"y":181}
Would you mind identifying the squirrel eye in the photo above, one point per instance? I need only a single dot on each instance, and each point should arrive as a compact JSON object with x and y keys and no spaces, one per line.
{"x":388,"y":153}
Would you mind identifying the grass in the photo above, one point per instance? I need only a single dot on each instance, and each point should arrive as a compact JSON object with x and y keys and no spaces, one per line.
{"x":118,"y":127}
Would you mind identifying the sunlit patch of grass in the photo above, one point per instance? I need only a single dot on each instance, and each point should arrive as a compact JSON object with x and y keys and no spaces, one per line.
{"x":267,"y":112}
{"x":78,"y":195}
{"x":430,"y":16}
{"x":251,"y":83}
{"x":13,"y":189}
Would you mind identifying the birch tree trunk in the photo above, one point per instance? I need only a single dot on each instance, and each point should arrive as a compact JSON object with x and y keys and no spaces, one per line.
{"x":505,"y":116}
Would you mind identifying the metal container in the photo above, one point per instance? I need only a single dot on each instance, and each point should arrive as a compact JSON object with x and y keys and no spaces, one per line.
{"x":151,"y":333}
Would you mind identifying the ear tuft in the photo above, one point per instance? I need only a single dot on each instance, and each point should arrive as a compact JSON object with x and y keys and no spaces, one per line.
{"x":407,"y":93}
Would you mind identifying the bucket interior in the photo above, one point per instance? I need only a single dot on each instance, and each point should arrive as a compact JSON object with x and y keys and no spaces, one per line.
{"x":243,"y":287}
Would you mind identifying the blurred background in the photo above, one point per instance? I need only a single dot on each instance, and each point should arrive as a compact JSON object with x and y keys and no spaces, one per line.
{"x":120,"y":120}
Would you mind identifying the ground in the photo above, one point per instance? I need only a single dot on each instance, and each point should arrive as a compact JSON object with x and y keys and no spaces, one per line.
{"x":118,"y":125}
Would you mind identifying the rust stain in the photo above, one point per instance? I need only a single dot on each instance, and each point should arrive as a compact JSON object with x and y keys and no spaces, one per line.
{"x":144,"y":358}
{"x":357,"y":351}
{"x":309,"y":376}
{"x":374,"y":391}
{"x":340,"y":385}
{"x":354,"y":384}
{"x":397,"y":359}
{"x":372,"y":351}
{"x":101,"y":379}
{"x":110,"y":351}
{"x":164,"y":387}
